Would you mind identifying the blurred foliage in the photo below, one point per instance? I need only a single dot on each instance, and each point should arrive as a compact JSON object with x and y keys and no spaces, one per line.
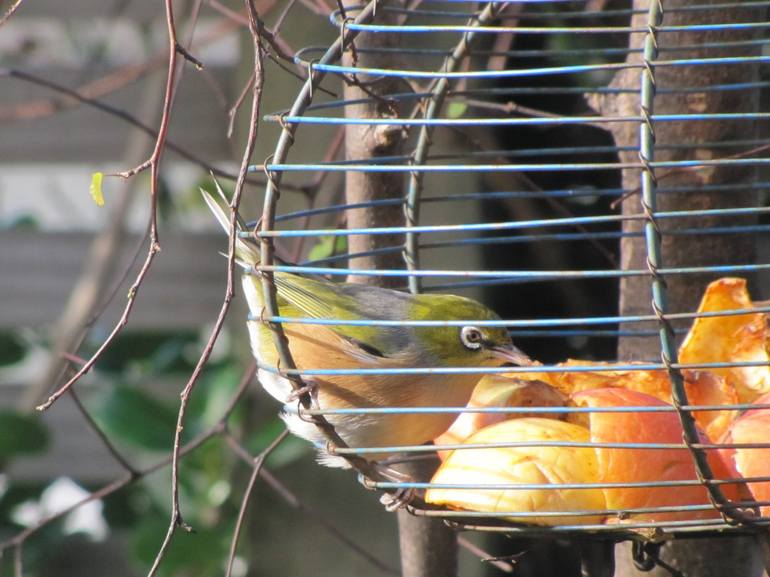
{"x":328,"y":246}
{"x":136,"y":403}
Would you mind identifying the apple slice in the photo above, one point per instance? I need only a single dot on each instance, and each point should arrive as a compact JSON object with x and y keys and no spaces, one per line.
{"x":500,"y":391}
{"x":542,"y":465}
{"x":752,"y":427}
{"x":632,"y":465}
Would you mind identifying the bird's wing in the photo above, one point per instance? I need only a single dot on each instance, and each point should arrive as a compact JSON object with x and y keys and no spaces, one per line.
{"x":320,"y":299}
{"x":313,"y":298}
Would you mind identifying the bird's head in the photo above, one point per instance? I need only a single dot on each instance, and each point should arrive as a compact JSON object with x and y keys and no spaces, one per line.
{"x":468,"y":345}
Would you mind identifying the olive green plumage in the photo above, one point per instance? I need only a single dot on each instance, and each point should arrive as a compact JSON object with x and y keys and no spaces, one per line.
{"x":315,"y":346}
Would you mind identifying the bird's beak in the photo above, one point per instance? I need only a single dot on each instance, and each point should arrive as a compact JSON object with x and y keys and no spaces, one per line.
{"x":510,"y":354}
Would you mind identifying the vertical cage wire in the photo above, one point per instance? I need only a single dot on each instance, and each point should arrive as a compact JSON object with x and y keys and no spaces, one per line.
{"x":438,"y":38}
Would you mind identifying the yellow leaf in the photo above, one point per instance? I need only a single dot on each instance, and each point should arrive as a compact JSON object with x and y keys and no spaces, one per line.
{"x":96,"y":188}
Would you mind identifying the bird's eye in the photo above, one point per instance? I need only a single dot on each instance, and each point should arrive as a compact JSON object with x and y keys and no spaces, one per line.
{"x":471,"y":338}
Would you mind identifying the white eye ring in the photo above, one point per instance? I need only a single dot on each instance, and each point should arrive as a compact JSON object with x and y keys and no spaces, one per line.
{"x":471,"y":338}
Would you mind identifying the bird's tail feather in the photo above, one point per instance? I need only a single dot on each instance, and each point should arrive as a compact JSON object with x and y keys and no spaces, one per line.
{"x":246,"y":252}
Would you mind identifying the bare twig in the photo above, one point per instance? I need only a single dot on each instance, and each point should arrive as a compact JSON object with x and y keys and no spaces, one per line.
{"x":554,"y":203}
{"x":318,"y":7}
{"x":10,"y":11}
{"x":153,"y":163}
{"x":282,"y":17}
{"x":104,"y":85}
{"x":176,"y":515}
{"x":114,"y":486}
{"x":257,"y":463}
{"x":86,"y":302}
{"x":471,"y":547}
{"x":237,"y":104}
{"x":293,"y":501}
{"x":92,"y":424}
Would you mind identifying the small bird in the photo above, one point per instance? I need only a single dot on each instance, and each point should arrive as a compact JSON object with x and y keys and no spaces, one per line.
{"x":316,"y":346}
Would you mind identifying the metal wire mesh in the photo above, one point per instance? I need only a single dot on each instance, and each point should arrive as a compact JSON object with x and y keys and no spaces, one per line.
{"x":445,"y":47}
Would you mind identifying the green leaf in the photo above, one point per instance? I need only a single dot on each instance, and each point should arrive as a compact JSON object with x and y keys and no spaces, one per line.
{"x":456,"y":109}
{"x":137,"y":418}
{"x":21,"y":434}
{"x":290,"y":450}
{"x":214,"y":393}
{"x":328,"y":246}
{"x":96,"y":188}
{"x":12,"y":349}
{"x":201,"y":552}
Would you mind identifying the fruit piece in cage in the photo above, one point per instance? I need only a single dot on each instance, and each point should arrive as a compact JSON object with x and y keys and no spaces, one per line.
{"x":542,"y":465}
{"x":702,"y":387}
{"x":378,"y":348}
{"x":752,"y":427}
{"x":730,"y":338}
{"x":501,"y":391}
{"x":642,"y":465}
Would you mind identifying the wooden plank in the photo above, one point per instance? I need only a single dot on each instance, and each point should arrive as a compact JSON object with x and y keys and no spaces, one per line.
{"x":74,"y":452}
{"x":184,"y":289}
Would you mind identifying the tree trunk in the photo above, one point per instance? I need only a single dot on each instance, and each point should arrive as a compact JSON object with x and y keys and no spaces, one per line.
{"x":719,"y":557}
{"x":365,"y":143}
{"x":428,"y":547}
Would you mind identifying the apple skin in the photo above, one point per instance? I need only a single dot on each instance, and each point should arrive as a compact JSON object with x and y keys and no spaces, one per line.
{"x":501,"y":391}
{"x":517,"y":465}
{"x":752,"y":427}
{"x":632,"y":465}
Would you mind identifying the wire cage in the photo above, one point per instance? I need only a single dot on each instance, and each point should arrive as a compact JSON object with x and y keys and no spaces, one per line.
{"x":628,"y":148}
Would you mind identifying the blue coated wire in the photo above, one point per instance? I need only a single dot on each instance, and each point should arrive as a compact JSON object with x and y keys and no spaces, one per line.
{"x":516,"y":121}
{"x":511,"y":370}
{"x":511,"y":225}
{"x":497,"y":195}
{"x":528,"y":91}
{"x":539,"y":152}
{"x":553,"y":30}
{"x":551,"y":52}
{"x":298,"y":115}
{"x":533,"y":410}
{"x":530,"y":323}
{"x":587,"y":14}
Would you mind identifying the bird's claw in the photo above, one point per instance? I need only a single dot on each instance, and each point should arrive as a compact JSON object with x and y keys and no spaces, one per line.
{"x":398,"y":499}
{"x":309,"y":388}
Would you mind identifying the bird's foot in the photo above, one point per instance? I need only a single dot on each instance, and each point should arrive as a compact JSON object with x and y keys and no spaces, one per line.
{"x":309,"y":388}
{"x":392,"y":474}
{"x":399,"y":499}
{"x":401,"y":496}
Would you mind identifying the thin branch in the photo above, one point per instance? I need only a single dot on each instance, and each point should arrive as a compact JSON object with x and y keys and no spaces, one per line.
{"x":10,"y":12}
{"x":317,"y":7}
{"x":93,"y":425}
{"x":105,"y":85}
{"x":234,"y":16}
{"x":279,"y":46}
{"x":216,"y":429}
{"x":295,"y":503}
{"x":282,"y":17}
{"x":153,"y":163}
{"x":237,"y":104}
{"x":554,"y":203}
{"x":176,"y":515}
{"x":474,"y":549}
{"x":257,"y":463}
{"x":154,"y":249}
